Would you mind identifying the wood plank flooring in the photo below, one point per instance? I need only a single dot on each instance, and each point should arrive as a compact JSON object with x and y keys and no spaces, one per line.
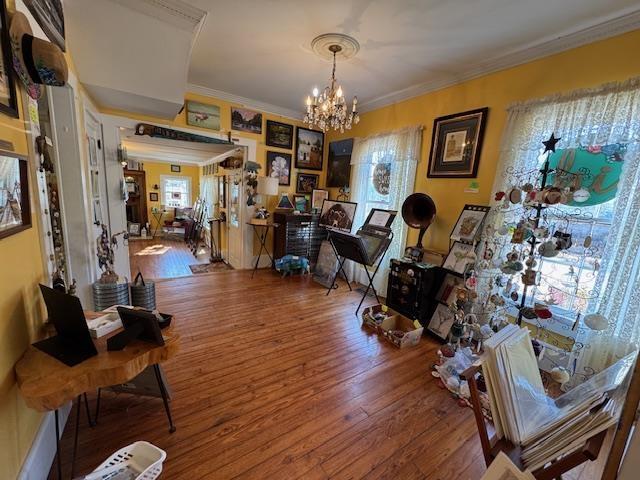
{"x":276,"y":380}
{"x":163,"y":258}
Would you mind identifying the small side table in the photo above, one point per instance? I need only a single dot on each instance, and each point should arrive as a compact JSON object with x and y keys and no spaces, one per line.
{"x":261,"y":230}
{"x":158,"y":218}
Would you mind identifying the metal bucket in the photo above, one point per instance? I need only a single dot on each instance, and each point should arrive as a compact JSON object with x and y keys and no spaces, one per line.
{"x":143,"y":294}
{"x":106,"y":295}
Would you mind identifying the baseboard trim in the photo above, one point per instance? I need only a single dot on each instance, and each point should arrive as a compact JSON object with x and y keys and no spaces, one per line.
{"x":43,"y":450}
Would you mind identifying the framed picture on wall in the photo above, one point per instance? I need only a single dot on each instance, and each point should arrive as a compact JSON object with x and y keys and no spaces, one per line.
{"x":279,"y":166}
{"x":307,"y":182}
{"x":279,"y":135}
{"x":339,"y":163}
{"x":317,"y":198}
{"x":8,"y":99}
{"x":153,"y":197}
{"x":456,"y":144}
{"x":15,"y":209}
{"x":175,"y":168}
{"x":309,"y":149}
{"x":203,"y":115}
{"x":246,"y":120}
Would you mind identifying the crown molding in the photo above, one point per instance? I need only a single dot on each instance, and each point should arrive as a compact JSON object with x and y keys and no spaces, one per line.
{"x":174,"y":12}
{"x":563,"y":42}
{"x":245,"y":102}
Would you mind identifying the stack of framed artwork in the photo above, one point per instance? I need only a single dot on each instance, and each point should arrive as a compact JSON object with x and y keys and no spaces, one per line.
{"x":464,"y":237}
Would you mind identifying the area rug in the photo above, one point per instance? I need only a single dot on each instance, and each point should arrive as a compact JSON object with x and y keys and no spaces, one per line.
{"x":210,"y":267}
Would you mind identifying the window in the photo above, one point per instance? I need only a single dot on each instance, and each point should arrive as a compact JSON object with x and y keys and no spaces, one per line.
{"x":568,"y":281}
{"x":175,"y":191}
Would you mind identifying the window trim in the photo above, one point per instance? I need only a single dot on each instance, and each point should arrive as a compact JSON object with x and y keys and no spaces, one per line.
{"x":164,"y":178}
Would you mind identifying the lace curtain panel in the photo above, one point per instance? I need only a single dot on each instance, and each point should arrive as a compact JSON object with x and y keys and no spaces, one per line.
{"x":606,"y":115}
{"x":400,"y":149}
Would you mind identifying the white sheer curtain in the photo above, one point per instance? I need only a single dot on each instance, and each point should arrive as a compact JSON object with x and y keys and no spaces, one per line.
{"x":606,"y":115}
{"x":400,"y":149}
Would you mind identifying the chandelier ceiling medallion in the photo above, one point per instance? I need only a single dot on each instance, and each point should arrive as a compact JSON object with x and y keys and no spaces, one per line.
{"x":328,"y":109}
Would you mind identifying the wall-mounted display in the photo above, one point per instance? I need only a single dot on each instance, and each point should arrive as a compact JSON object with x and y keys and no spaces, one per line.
{"x":468,"y":226}
{"x":338,"y":215}
{"x":307,"y":182}
{"x":309,"y":149}
{"x":246,"y":120}
{"x":50,"y":17}
{"x":203,"y":115}
{"x":15,"y":212}
{"x":279,"y":135}
{"x":8,"y":102}
{"x":456,"y":144}
{"x":279,"y":166}
{"x":339,"y":163}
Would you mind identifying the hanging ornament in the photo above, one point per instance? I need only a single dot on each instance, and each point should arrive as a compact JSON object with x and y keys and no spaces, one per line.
{"x":587,"y":241}
{"x":560,"y":375}
{"x":548,"y":249}
{"x":581,"y":195}
{"x":515,"y":195}
{"x":595,"y":321}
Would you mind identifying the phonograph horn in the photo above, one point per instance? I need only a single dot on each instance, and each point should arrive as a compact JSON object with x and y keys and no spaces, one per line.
{"x":418,"y":211}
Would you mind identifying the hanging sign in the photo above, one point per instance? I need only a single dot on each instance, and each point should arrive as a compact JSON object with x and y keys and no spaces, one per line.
{"x":162,"y":132}
{"x":591,"y":173}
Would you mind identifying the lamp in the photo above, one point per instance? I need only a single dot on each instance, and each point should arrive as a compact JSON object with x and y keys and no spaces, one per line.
{"x":267,"y":186}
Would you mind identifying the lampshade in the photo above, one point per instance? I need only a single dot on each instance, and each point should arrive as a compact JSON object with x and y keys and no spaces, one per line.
{"x":267,"y":186}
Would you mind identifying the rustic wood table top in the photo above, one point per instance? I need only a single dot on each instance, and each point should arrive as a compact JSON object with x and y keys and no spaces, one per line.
{"x":46,"y":383}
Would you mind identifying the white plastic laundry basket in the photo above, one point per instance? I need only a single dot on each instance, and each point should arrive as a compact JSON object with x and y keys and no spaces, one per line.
{"x":141,"y":456}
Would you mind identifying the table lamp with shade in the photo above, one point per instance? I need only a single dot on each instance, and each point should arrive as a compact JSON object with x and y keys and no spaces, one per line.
{"x":267,"y":187}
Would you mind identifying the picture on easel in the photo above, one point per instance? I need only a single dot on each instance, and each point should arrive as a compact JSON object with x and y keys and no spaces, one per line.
{"x":469,"y":224}
{"x":460,"y":255}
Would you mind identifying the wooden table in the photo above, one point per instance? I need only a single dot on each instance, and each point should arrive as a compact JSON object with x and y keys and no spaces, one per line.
{"x":47,"y":384}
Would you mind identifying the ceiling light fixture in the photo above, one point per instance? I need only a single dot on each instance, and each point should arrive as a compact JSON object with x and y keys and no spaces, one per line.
{"x":328,"y":109}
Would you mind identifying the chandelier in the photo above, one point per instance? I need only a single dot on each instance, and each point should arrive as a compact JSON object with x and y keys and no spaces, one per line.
{"x":328,"y":109}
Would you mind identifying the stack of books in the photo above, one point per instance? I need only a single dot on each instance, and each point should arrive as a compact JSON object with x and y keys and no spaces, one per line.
{"x":543,"y":427}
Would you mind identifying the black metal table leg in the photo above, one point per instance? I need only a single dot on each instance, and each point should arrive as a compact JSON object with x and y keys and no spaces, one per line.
{"x":165,"y":399}
{"x":58,"y":445}
{"x":75,"y":438}
{"x":95,"y":421}
{"x":262,"y":237}
{"x":86,"y":406}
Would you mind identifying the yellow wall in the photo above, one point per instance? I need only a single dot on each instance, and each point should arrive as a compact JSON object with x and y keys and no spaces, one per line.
{"x":153,"y":170}
{"x":21,"y":316}
{"x":609,"y":60}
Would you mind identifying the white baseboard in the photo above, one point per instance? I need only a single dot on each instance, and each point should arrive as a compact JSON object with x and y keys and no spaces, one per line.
{"x":43,"y":450}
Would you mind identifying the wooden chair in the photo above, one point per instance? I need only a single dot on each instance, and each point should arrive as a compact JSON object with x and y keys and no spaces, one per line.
{"x":491,"y":446}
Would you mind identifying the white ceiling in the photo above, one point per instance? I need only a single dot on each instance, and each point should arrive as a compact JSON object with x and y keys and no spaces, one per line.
{"x":260,"y":49}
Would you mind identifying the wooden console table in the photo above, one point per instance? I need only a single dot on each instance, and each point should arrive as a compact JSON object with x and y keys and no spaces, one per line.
{"x":47,"y":384}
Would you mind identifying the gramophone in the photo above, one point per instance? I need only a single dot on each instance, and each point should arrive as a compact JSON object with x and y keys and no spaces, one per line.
{"x":418,"y":211}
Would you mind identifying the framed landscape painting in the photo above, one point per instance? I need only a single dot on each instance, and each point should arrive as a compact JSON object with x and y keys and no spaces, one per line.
{"x":246,"y":120}
{"x":309,"y":149}
{"x":456,"y":144}
{"x":15,"y":212}
{"x":279,"y":135}
{"x":203,"y":115}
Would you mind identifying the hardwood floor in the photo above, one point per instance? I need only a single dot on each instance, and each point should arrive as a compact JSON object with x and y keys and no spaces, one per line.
{"x":276,"y":380}
{"x":163,"y":258}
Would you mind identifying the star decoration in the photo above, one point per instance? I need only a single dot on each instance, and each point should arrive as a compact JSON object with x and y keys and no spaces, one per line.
{"x":550,"y":145}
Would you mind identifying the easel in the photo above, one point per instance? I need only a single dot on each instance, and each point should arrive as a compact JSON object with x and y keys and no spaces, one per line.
{"x":491,"y":445}
{"x":347,"y":247}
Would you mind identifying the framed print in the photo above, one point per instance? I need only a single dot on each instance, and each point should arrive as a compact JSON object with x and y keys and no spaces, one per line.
{"x":460,"y":255}
{"x":203,"y":115}
{"x":309,"y":149}
{"x":15,"y":209}
{"x":246,"y":120}
{"x":456,"y":144}
{"x":307,"y":182}
{"x":134,"y":229}
{"x":301,"y":203}
{"x":317,"y":197}
{"x":279,"y":166}
{"x":441,"y":322}
{"x":469,"y":223}
{"x":175,"y":168}
{"x":279,"y":135}
{"x":153,"y":197}
{"x":8,"y":99}
{"x":339,"y":163}
{"x":50,"y":17}
{"x":449,"y":288}
{"x":337,"y":214}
